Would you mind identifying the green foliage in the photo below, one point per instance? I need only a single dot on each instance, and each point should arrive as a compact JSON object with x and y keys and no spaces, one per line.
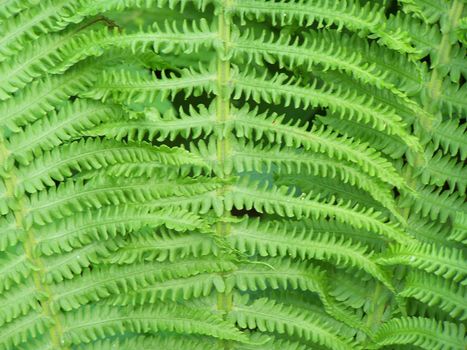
{"x":232,"y":174}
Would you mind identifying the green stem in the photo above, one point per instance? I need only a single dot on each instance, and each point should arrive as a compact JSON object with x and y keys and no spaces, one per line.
{"x":444,"y":54}
{"x":10,"y":180}
{"x":224,"y":300}
{"x":377,"y":307}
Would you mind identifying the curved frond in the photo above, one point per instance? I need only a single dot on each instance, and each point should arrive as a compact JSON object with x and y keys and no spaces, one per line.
{"x":106,"y":281}
{"x":441,"y":169}
{"x":71,"y":197}
{"x":268,"y":316}
{"x":19,"y":301}
{"x":68,"y":123}
{"x":126,"y":86}
{"x":252,"y":125}
{"x":434,"y":202}
{"x":433,"y":290}
{"x":423,"y":332}
{"x":95,"y":322}
{"x":173,"y":37}
{"x":14,"y":268}
{"x":22,"y":329}
{"x":63,"y":161}
{"x":269,"y":199}
{"x":278,"y":238}
{"x":327,"y":49}
{"x":159,"y":341}
{"x":459,"y":228}
{"x":42,"y":96}
{"x":164,"y":245}
{"x":343,"y":103}
{"x":109,"y":222}
{"x":45,"y":17}
{"x":442,"y":261}
{"x":364,"y":19}
{"x":451,"y":136}
{"x":11,"y":234}
{"x":251,"y":157}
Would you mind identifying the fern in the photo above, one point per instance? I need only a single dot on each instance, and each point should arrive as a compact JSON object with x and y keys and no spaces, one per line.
{"x":232,"y":174}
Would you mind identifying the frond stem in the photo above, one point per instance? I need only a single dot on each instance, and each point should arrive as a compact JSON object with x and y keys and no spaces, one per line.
{"x":224,"y":300}
{"x":444,"y":53}
{"x":11,"y":181}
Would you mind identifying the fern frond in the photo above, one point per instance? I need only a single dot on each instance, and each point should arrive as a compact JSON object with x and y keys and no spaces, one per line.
{"x":159,"y":341}
{"x":177,"y":290}
{"x":126,"y":86}
{"x":268,"y":316}
{"x":340,"y":229}
{"x":252,"y":125}
{"x":251,"y":157}
{"x":96,"y":322}
{"x":406,"y":74}
{"x":330,"y":187}
{"x":45,"y":17}
{"x":441,"y":261}
{"x":456,"y":66}
{"x":72,"y":197}
{"x":365,"y":20}
{"x":65,"y":266}
{"x":68,"y":123}
{"x":343,"y":103}
{"x":428,"y":231}
{"x":432,"y":290}
{"x":407,"y":111}
{"x":343,"y":173}
{"x":200,"y":203}
{"x":276,"y":238}
{"x":459,"y":228}
{"x":332,"y":51}
{"x":285,"y":274}
{"x":14,"y":268}
{"x":451,"y":136}
{"x":433,"y":202}
{"x":425,"y":37}
{"x":42,"y":96}
{"x":11,"y":234}
{"x":452,"y":99}
{"x":430,"y":11}
{"x":9,"y":8}
{"x":111,"y":280}
{"x":33,"y":62}
{"x":191,"y":38}
{"x":441,"y":169}
{"x":63,"y":161}
{"x":274,"y":343}
{"x":422,"y":332}
{"x":326,"y":49}
{"x":199,"y":120}
{"x":101,"y":6}
{"x":344,"y":289}
{"x":271,"y":199}
{"x":165,"y":245}
{"x":460,"y":30}
{"x":22,"y":329}
{"x":101,"y":224}
{"x":275,"y":274}
{"x":386,"y":144}
{"x":19,"y":301}
{"x":232,"y":174}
